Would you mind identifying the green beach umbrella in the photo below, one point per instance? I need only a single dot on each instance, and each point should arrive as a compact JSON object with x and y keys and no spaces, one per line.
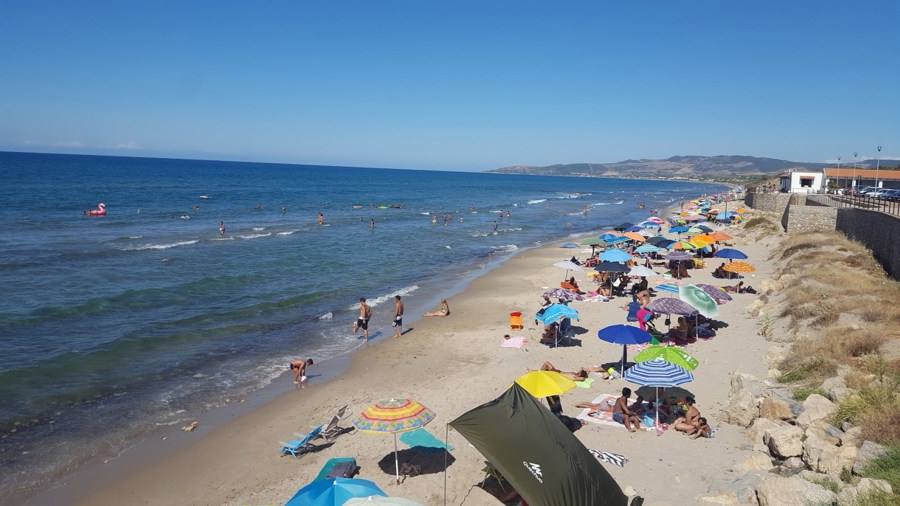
{"x":671,"y":354}
{"x":592,"y":241}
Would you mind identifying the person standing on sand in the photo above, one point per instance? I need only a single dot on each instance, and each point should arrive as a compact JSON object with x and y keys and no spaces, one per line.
{"x":299,"y":368}
{"x":221,"y":228}
{"x":398,"y":317}
{"x":365,"y":312}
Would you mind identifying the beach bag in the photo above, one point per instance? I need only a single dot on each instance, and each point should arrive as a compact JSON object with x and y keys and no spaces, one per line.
{"x":647,"y":420}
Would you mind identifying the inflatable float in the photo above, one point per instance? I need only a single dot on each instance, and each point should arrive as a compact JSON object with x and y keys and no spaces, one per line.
{"x":100,"y":211}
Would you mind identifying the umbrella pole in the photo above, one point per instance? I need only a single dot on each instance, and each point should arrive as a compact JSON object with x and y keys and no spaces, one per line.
{"x":624,"y":359}
{"x":396,"y":459}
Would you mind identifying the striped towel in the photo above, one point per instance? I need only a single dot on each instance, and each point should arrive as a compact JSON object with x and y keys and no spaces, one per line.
{"x":612,"y":458}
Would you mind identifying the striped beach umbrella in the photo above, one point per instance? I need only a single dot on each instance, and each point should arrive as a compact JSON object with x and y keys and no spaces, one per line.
{"x":658,"y":373}
{"x":392,"y":417}
{"x":671,"y":354}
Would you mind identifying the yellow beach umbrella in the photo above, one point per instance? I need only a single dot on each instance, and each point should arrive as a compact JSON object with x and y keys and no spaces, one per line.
{"x":545,"y":383}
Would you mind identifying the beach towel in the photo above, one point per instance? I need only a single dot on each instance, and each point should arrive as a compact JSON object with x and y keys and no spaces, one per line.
{"x":513,"y":342}
{"x":612,"y":458}
{"x":421,"y":437}
{"x":600,"y":417}
{"x":585,"y":383}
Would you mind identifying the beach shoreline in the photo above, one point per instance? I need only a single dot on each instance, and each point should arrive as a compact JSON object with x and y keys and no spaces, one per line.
{"x":322,"y":399}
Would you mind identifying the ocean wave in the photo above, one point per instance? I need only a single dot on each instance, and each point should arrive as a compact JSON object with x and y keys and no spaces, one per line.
{"x":287,"y":232}
{"x":327,"y":316}
{"x":506,"y":248}
{"x":160,"y":246}
{"x":537,"y":201}
{"x":257,"y":229}
{"x":383,"y":298}
{"x":254,"y":236}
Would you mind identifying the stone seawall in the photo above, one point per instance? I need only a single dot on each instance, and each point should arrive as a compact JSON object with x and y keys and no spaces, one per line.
{"x":878,"y":231}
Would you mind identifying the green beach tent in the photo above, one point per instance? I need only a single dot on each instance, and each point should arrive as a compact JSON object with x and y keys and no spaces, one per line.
{"x":537,"y":454}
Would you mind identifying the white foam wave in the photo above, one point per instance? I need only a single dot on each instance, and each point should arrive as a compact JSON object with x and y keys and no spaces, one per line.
{"x":507,"y":248}
{"x":537,"y":201}
{"x":288,"y":232}
{"x":327,"y":316}
{"x":161,"y":246}
{"x":383,"y":298}
{"x":254,"y":236}
{"x":257,"y":229}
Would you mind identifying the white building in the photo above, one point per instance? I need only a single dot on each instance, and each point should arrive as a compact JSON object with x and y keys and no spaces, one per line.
{"x":797,"y":181}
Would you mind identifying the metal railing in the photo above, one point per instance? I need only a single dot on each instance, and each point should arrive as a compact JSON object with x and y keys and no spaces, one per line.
{"x":859,"y":202}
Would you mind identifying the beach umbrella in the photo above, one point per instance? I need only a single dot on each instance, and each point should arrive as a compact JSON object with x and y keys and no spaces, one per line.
{"x":592,"y":241}
{"x":721,"y":236}
{"x":334,"y":492}
{"x":545,"y":383}
{"x":645,"y":233}
{"x":569,"y":245}
{"x":678,"y":230}
{"x":698,"y":299}
{"x":671,"y":354}
{"x":624,"y":335}
{"x":683,"y":245}
{"x":640,"y":270}
{"x":556,"y":312}
{"x":679,"y":255}
{"x":715,"y":292}
{"x":635,"y":236}
{"x":667,"y":287}
{"x":380,"y":500}
{"x":725,"y":216}
{"x":739,"y":267}
{"x":622,"y":226}
{"x":658,"y":373}
{"x":704,"y":228}
{"x":611,"y":267}
{"x":665,"y":243}
{"x":656,"y":239}
{"x":392,"y":417}
{"x":730,"y":253}
{"x":615,"y":255}
{"x":656,"y":219}
{"x":647,"y":248}
{"x":671,"y":305}
{"x":648,"y":224}
{"x":633,"y":228}
{"x":568,"y":265}
{"x":563,"y":293}
{"x":617,"y":240}
{"x":609,"y":236}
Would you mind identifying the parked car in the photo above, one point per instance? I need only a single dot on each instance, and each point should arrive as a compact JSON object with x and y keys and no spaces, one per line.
{"x":886,"y":193}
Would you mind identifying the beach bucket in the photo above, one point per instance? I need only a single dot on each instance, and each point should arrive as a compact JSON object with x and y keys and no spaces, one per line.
{"x":515,"y":320}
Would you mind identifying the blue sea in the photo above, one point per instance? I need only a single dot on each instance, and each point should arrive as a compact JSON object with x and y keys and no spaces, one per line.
{"x":113,"y":326}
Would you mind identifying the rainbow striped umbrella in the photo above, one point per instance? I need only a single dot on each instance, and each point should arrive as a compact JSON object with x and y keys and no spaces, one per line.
{"x":392,"y":417}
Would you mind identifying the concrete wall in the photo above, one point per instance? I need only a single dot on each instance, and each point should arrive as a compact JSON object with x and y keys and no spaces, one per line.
{"x":801,"y":218}
{"x":877,"y":231}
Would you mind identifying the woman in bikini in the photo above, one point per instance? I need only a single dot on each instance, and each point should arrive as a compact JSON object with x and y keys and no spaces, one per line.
{"x":443,"y":311}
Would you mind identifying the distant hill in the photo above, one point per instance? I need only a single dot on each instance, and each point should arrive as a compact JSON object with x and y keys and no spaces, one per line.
{"x":682,"y":167}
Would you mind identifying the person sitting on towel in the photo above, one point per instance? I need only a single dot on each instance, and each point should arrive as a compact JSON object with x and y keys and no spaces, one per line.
{"x":623,"y":414}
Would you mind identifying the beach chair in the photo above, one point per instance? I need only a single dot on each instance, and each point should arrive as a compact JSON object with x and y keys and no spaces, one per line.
{"x":299,"y":447}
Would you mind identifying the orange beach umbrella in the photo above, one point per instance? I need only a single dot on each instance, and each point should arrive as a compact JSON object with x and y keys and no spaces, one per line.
{"x":739,"y":267}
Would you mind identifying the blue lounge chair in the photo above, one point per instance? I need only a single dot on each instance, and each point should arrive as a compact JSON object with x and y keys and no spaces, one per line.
{"x":297,"y":448}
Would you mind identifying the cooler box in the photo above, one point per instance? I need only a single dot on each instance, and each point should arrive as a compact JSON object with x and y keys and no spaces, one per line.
{"x":515,"y":320}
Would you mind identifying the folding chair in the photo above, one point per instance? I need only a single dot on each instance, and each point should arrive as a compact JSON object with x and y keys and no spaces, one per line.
{"x":298,"y":447}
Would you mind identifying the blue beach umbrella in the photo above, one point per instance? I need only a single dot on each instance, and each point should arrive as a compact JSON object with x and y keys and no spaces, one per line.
{"x":611,"y":267}
{"x":334,"y":492}
{"x":607,"y":236}
{"x":570,"y":245}
{"x":624,"y":335}
{"x":647,"y":248}
{"x":633,"y":228}
{"x":556,"y":312}
{"x":615,"y":255}
{"x":730,"y":253}
{"x":667,"y":287}
{"x":658,"y":373}
{"x":666,"y":243}
{"x":725,"y":216}
{"x":679,"y":229}
{"x":617,"y":240}
{"x":649,"y":224}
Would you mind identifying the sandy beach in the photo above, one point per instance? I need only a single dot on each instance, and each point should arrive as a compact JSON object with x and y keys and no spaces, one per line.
{"x":454,"y":364}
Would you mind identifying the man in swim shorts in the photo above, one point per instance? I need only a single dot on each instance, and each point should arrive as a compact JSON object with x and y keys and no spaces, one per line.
{"x":398,"y":317}
{"x":365,"y":312}
{"x":623,"y":414}
{"x":299,"y":369}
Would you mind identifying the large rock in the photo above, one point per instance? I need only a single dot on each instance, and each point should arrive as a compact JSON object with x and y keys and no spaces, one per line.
{"x":756,"y":462}
{"x":852,"y":437}
{"x":741,"y":381}
{"x":851,"y":493}
{"x":758,"y":428}
{"x":741,"y":409}
{"x":815,"y":408}
{"x":784,"y":441}
{"x":824,"y":431}
{"x":868,"y":452}
{"x":795,"y":491}
{"x":775,"y":409}
{"x":823,"y":457}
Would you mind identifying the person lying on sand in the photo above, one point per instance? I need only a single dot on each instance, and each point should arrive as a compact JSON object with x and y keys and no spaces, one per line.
{"x":734,"y":288}
{"x":578,"y":375}
{"x":702,"y":430}
{"x":443,"y":311}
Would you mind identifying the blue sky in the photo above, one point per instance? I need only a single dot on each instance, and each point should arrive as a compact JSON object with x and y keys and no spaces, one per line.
{"x":462,"y":85}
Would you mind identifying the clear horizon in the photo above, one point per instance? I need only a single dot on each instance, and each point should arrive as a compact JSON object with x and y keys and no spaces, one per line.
{"x":470,"y":86}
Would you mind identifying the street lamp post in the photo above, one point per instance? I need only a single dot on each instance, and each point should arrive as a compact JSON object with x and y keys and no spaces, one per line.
{"x":853,"y":182}
{"x":838,"y":176}
{"x":877,"y":163}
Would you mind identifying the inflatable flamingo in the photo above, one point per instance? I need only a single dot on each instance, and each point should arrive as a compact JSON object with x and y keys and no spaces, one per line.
{"x":100,"y":211}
